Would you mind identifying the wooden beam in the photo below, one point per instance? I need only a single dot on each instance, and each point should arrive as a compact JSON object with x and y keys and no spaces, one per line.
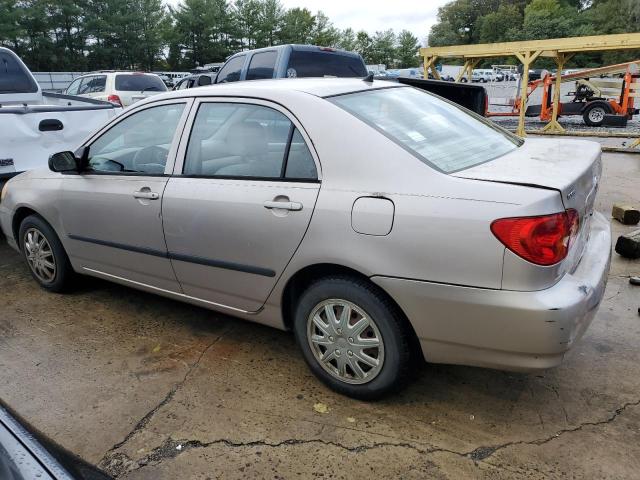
{"x":547,"y":48}
{"x":553,"y":125}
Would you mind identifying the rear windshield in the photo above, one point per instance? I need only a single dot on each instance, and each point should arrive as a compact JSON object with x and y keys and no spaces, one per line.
{"x":132,"y":82}
{"x":438,"y":132}
{"x":319,"y":63}
{"x":13,"y":77}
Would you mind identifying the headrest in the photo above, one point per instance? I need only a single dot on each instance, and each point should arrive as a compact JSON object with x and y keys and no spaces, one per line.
{"x":247,"y":139}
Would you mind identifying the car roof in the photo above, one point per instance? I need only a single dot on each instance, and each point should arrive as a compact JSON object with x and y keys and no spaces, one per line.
{"x":297,"y":47}
{"x":279,"y":88}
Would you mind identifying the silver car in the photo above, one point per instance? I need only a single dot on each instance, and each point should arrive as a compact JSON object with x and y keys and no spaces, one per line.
{"x":381,"y":224}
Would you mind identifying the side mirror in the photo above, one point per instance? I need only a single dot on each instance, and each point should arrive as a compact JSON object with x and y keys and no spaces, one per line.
{"x":70,"y":161}
{"x":63,"y":162}
{"x":204,"y":80}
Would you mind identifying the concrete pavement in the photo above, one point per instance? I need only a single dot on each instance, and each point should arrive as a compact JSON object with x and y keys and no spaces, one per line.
{"x":149,"y":388}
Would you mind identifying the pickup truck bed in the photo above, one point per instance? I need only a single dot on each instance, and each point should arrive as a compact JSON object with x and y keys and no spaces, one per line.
{"x":36,"y":124}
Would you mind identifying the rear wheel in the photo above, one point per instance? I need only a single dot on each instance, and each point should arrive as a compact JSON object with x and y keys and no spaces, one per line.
{"x":352,"y":337}
{"x":593,"y":114}
{"x":44,"y":254}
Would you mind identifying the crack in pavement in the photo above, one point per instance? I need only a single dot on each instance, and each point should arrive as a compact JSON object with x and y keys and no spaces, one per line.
{"x":121,"y":464}
{"x":142,"y":423}
{"x":484,"y":452}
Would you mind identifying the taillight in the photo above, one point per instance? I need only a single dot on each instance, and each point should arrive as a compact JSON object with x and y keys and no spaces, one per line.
{"x":115,"y":99}
{"x":543,"y":240}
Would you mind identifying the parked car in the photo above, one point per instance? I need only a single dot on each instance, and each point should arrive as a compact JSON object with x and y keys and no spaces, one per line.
{"x":200,"y":80}
{"x":291,"y":61}
{"x":485,"y":75}
{"x":36,"y":124}
{"x":168,"y":81}
{"x":535,"y":74}
{"x":26,"y":454}
{"x":119,"y":88}
{"x":381,"y":224}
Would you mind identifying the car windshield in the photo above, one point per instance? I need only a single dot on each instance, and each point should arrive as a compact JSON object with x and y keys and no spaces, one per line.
{"x":321,"y":63}
{"x":136,"y":82}
{"x":438,"y":132}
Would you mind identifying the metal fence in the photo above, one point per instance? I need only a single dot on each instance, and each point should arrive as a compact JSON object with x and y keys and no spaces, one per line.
{"x":55,"y":81}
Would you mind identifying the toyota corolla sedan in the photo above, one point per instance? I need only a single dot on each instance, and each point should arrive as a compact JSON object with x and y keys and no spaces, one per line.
{"x":379,"y":223}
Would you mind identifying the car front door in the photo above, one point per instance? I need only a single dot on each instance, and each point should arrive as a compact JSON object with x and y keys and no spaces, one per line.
{"x":240,"y":200}
{"x":112,"y":211}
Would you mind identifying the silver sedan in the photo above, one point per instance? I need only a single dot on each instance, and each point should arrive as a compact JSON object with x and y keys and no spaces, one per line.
{"x":381,"y":224}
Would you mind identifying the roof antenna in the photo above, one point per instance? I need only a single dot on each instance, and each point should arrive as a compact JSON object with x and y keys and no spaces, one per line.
{"x":368,"y":78}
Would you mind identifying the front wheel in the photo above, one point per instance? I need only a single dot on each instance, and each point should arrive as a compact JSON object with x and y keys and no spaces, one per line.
{"x":44,"y":254}
{"x":352,"y":337}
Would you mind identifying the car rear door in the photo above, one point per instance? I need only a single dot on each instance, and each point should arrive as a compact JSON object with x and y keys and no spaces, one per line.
{"x":240,"y":200}
{"x":112,"y":212}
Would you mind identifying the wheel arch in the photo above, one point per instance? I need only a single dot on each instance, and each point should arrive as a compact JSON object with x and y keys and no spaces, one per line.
{"x":20,"y":214}
{"x":299,"y":281}
{"x":596,"y":102}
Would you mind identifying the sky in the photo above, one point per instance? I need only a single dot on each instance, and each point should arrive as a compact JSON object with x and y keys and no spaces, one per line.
{"x":373,"y":15}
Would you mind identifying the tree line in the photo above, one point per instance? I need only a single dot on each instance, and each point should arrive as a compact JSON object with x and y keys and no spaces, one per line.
{"x":463,"y":22}
{"x":83,"y":35}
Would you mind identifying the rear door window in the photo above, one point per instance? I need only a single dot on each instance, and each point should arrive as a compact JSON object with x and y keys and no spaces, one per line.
{"x":13,"y":77}
{"x":321,"y":63}
{"x":132,"y":82}
{"x":262,"y":65}
{"x":300,"y":163}
{"x":252,"y":141}
{"x":232,"y":70}
{"x":95,"y":84}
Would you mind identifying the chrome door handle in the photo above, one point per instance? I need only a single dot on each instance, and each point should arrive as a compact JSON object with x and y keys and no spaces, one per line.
{"x":294,"y":206}
{"x":147,"y":195}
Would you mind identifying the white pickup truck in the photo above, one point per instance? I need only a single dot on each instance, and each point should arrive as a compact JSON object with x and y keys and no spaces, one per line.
{"x":36,"y":124}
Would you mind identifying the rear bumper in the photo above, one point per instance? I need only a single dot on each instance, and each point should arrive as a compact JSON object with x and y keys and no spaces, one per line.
{"x":503,"y":329}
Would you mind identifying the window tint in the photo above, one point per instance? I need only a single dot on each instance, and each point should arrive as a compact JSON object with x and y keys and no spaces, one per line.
{"x":437,"y":132}
{"x":262,"y":65}
{"x":140,"y":143}
{"x":241,"y":140}
{"x":137,"y":82}
{"x":13,"y":78}
{"x":319,"y":63}
{"x":231,"y":71}
{"x":93,"y":84}
{"x":300,"y":163}
{"x":73,"y":88}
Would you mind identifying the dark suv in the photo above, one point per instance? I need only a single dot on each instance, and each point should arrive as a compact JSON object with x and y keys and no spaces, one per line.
{"x":290,"y":61}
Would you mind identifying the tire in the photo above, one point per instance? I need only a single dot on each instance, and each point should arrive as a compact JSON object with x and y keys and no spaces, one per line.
{"x":357,"y":378}
{"x":594,"y":112}
{"x":39,"y":234}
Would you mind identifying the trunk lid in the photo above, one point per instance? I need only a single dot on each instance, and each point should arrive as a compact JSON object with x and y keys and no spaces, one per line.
{"x":572,"y":167}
